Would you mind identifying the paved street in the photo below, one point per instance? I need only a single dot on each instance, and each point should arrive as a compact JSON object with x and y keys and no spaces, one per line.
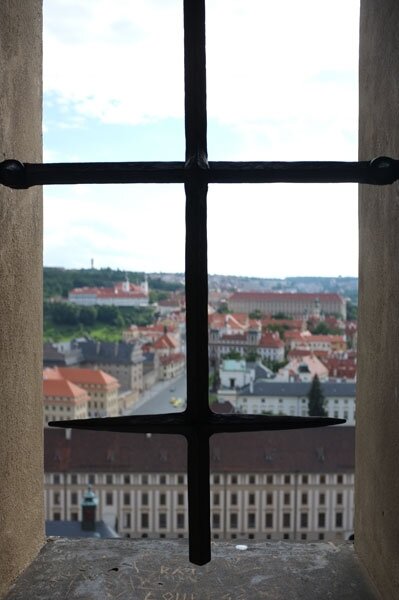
{"x":157,"y":399}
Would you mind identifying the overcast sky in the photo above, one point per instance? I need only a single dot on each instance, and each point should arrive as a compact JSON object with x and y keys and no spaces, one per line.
{"x":282,"y":85}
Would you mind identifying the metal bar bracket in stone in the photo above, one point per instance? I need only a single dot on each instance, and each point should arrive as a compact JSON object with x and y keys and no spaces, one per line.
{"x":18,"y":175}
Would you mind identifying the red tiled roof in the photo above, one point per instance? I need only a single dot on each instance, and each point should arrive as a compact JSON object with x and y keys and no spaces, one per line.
{"x":319,"y":450}
{"x":295,"y":335}
{"x":290,"y":323}
{"x":177,"y":357}
{"x":157,"y":327}
{"x":222,"y":408}
{"x":240,"y":317}
{"x":321,"y":353}
{"x":234,"y":321}
{"x":285,"y":296}
{"x":63,"y":388}
{"x":164,"y":342}
{"x":50,"y":373}
{"x":236,"y":337}
{"x":110,"y":292}
{"x":299,"y":353}
{"x":314,"y":364}
{"x":270,"y":341}
{"x":341,"y":367}
{"x":113,"y":294}
{"x":87,"y":376}
{"x":120,"y":286}
{"x":325,"y":338}
{"x":85,"y":290}
{"x":254,"y":324}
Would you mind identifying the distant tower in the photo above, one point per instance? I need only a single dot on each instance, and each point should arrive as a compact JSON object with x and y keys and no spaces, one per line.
{"x":92,"y":263}
{"x":89,"y":506}
{"x":316,"y":309}
{"x":144,"y":285}
{"x":126,"y":284}
{"x":253,"y":336}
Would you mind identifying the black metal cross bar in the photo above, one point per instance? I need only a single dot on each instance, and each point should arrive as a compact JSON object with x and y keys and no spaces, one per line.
{"x":197,"y":423}
{"x":379,"y":171}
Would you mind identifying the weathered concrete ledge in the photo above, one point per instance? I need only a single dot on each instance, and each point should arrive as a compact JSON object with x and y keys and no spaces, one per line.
{"x":159,"y":570}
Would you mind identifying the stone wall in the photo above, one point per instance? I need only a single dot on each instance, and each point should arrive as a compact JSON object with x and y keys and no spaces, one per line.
{"x":21,"y":422}
{"x":377,"y":476}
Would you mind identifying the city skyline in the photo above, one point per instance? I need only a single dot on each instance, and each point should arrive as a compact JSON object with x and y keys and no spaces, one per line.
{"x":99,"y":108}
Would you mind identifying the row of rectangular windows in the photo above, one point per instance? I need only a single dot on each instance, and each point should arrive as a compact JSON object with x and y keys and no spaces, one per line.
{"x":126,"y":479}
{"x":216,"y":536}
{"x":304,"y":400}
{"x":233,"y":520}
{"x":286,"y":520}
{"x":181,"y":498}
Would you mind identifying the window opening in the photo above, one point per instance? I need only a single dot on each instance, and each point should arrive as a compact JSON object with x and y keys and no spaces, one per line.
{"x":197,"y":423}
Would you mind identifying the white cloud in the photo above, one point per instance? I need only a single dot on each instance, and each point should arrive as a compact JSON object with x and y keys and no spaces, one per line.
{"x":282,"y":76}
{"x":119,"y":61}
{"x":123,"y":61}
{"x":285,"y":75}
{"x":269,"y":231}
{"x":137,"y":227}
{"x":278,"y":230}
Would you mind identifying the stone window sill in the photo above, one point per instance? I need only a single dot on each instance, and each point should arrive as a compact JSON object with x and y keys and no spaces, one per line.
{"x":159,"y":570}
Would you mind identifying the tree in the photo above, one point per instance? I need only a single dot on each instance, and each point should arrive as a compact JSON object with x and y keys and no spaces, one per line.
{"x":107,"y":314}
{"x":251,"y":357}
{"x":274,"y":365}
{"x":223,"y":308}
{"x":64,"y":313}
{"x":351,"y":311}
{"x":255,"y":314}
{"x":316,"y":399}
{"x":156,"y":296}
{"x":88,"y":315}
{"x":233,"y":355}
{"x":322,"y":329}
{"x":281,"y":329}
{"x":214,"y":381}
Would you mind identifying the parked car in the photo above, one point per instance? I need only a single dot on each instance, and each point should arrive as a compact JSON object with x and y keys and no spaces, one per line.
{"x":176,"y":402}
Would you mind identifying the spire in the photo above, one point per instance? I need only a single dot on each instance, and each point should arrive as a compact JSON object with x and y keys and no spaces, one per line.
{"x":144,"y":285}
{"x":89,"y":505}
{"x":126,"y":284}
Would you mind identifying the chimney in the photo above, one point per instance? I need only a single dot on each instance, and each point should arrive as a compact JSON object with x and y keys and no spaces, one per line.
{"x":89,"y":506}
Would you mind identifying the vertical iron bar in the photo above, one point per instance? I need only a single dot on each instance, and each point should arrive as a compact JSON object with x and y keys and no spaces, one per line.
{"x":198,"y":497}
{"x":195,"y":82}
{"x":196,"y":193}
{"x":196,"y":301}
{"x":197,"y":410}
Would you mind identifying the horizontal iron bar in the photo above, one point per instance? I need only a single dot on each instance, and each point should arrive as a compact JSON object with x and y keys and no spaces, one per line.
{"x":182,"y":424}
{"x":379,"y":171}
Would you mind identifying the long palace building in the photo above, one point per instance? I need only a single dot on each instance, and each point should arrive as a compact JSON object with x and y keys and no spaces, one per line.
{"x":296,"y":305}
{"x":281,"y":485}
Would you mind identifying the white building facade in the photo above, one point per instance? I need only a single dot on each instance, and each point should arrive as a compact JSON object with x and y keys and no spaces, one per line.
{"x":264,"y":485}
{"x":286,"y":398}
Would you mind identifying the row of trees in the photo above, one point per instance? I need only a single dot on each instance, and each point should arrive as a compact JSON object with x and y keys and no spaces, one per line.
{"x":68,"y":314}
